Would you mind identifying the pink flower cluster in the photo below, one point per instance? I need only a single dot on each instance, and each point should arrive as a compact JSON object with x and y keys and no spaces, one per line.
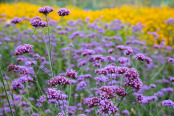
{"x":132,"y":80}
{"x":16,"y":20}
{"x":59,"y":80}
{"x":42,"y":99}
{"x":92,"y":102}
{"x":46,"y":10}
{"x":37,"y":22}
{"x":52,"y":93}
{"x":22,"y":49}
{"x":71,"y":73}
{"x":107,"y":107}
{"x":63,"y":12}
{"x":142,"y":57}
{"x":145,"y":99}
{"x":17,"y":68}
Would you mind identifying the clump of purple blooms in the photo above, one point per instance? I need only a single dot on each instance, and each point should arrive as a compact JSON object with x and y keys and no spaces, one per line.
{"x":84,"y":68}
{"x":46,"y":10}
{"x":63,"y":12}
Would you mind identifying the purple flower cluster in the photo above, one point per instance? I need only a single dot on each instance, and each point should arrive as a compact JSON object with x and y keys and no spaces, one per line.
{"x":59,"y":80}
{"x":54,"y":94}
{"x":37,"y":22}
{"x":63,"y":12}
{"x":107,"y":107}
{"x":22,"y":49}
{"x":168,"y":103}
{"x":142,"y":57}
{"x":132,"y":80}
{"x":17,"y":68}
{"x":46,"y":10}
{"x":71,"y":73}
{"x":145,"y":99}
{"x":129,"y":51}
{"x":17,"y":84}
{"x":123,"y":60}
{"x":16,"y":20}
{"x":42,"y":99}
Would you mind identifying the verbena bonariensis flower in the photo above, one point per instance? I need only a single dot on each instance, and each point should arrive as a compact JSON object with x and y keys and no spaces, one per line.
{"x":25,"y":78}
{"x":71,"y":73}
{"x":132,"y":80}
{"x":81,"y":85}
{"x":43,"y":24}
{"x":145,"y":99}
{"x":171,"y":60}
{"x":121,"y":70}
{"x":36,"y":56}
{"x":148,"y":60}
{"x":88,"y":52}
{"x":16,"y":84}
{"x":35,"y":114}
{"x":92,"y":102}
{"x":125,"y":112}
{"x":129,"y":51}
{"x":46,"y":10}
{"x":107,"y":107}
{"x":36,"y":22}
{"x":120,"y":47}
{"x":140,"y":57}
{"x":59,"y":80}
{"x":81,"y":115}
{"x":106,"y":92}
{"x":16,"y":20}
{"x":63,"y":12}
{"x":17,"y":68}
{"x":26,"y":104}
{"x":52,"y":93}
{"x":123,"y":60}
{"x":22,"y":49}
{"x":168,"y":103}
{"x":42,"y":99}
{"x":120,"y":91}
{"x":153,"y":86}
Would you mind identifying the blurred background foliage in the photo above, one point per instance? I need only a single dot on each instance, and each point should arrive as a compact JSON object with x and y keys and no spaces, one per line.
{"x":96,"y":4}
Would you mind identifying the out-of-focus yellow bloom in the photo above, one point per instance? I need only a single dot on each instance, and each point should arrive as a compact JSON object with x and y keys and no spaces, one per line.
{"x":153,"y":18}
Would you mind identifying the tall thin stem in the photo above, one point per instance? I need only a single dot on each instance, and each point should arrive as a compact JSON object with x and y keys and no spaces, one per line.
{"x":6,"y":94}
{"x":37,"y":66}
{"x":50,"y":49}
{"x":69,"y":96}
{"x":31,"y":35}
{"x":57,"y":24}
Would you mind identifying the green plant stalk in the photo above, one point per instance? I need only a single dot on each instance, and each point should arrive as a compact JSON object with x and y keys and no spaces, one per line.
{"x":57,"y":24}
{"x":69,"y":95}
{"x":31,"y":35}
{"x":37,"y":66}
{"x":6,"y":94}
{"x":50,"y":49}
{"x":46,"y":47}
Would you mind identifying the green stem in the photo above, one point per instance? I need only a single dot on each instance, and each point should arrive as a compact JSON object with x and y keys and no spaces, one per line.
{"x":37,"y":66}
{"x":69,"y":95}
{"x":46,"y":46}
{"x":6,"y":94}
{"x":50,"y":49}
{"x":31,"y":35}
{"x":57,"y":24}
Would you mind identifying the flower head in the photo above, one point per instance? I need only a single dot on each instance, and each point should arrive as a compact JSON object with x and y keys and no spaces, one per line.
{"x":16,"y":20}
{"x":26,"y":48}
{"x":35,"y":22}
{"x":46,"y":10}
{"x":59,"y":80}
{"x":63,"y":12}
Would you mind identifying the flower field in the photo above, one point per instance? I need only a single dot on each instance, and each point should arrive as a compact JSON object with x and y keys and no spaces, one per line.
{"x":73,"y":62}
